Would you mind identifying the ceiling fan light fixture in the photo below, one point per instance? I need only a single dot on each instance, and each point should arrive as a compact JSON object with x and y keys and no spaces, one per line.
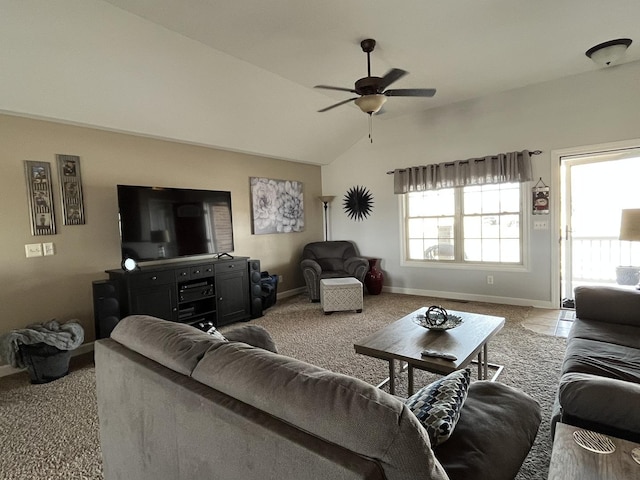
{"x":607,"y":53}
{"x":371,"y":103}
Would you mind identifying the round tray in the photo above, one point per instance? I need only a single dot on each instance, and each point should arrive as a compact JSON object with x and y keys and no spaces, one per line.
{"x":452,"y":321}
{"x":593,"y":441}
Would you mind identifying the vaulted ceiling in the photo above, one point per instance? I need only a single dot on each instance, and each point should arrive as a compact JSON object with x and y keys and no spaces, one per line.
{"x":239,"y":74}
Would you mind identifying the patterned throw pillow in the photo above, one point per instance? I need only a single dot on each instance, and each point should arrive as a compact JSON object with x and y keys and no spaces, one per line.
{"x":438,"y":405}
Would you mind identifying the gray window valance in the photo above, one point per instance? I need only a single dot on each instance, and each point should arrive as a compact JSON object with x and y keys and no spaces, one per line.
{"x":511,"y":167}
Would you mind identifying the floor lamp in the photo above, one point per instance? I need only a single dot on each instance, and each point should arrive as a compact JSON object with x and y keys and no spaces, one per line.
{"x":326,"y":200}
{"x":630,"y":227}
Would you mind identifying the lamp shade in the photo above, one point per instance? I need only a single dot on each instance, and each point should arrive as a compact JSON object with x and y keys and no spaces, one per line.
{"x":327,"y":198}
{"x":630,"y":225}
{"x":371,"y":103}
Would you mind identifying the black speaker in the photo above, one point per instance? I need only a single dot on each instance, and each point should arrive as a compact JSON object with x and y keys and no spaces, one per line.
{"x":106,"y":307}
{"x":255,"y":288}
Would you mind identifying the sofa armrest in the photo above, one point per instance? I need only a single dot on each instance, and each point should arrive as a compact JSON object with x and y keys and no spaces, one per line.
{"x":608,"y":304}
{"x":356,"y":266}
{"x":601,"y":400}
{"x":309,"y":264}
{"x":253,"y":335}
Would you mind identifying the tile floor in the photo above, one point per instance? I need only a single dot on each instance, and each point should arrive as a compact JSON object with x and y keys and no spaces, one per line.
{"x":549,"y":322}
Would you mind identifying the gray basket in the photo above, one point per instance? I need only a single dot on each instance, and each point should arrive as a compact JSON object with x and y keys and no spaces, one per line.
{"x":45,"y":363}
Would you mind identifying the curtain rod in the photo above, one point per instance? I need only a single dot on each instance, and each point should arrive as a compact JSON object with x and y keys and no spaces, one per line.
{"x":534,"y":152}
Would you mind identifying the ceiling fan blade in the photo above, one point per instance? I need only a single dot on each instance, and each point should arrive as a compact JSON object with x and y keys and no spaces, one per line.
{"x":329,"y":87}
{"x":411,"y":92}
{"x":391,"y":76}
{"x":337,"y":104}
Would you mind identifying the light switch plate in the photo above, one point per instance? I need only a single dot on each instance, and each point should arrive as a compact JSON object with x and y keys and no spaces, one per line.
{"x":33,"y":250}
{"x":540,"y":225}
{"x":48,"y":248}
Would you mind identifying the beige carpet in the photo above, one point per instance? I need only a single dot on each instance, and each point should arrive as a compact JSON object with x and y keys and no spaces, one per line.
{"x":51,"y":432}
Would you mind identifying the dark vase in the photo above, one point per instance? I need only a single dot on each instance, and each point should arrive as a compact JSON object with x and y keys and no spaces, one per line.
{"x":374,"y":279}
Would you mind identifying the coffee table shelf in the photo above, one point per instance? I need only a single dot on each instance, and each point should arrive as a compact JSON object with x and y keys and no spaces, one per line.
{"x":404,"y":341}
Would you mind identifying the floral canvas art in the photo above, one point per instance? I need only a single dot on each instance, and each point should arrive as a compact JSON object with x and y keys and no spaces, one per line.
{"x":277,"y":206}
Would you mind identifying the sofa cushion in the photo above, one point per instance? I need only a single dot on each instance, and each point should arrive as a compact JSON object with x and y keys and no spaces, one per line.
{"x":606,"y":401}
{"x":340,"y":409}
{"x":175,"y":345}
{"x":608,"y":304}
{"x":494,"y":434}
{"x":602,"y":359}
{"x":254,"y":335}
{"x":614,"y":333}
{"x":438,"y":404}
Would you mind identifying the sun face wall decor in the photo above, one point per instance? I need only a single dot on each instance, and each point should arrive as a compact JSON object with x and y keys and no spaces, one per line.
{"x":358,"y":203}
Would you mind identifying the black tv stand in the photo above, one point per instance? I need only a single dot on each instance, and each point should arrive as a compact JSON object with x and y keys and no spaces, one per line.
{"x":221,"y":255}
{"x":193,"y":292}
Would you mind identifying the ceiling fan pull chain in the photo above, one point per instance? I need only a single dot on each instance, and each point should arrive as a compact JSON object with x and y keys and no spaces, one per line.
{"x":371,"y":128}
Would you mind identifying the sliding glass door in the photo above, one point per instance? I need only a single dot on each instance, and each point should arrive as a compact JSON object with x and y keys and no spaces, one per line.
{"x":595,"y":189}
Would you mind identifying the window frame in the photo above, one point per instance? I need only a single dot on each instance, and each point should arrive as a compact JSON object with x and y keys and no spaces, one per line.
{"x":459,"y":241}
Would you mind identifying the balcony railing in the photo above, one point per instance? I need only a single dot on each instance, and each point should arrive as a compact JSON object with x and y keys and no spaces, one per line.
{"x":595,"y":258}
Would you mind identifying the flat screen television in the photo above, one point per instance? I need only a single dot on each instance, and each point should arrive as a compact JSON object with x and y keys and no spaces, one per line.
{"x":158,"y":223}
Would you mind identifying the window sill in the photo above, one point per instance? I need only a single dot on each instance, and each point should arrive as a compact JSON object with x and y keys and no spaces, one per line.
{"x":447,"y":265}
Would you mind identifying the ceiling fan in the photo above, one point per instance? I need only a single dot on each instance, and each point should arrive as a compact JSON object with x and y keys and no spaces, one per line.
{"x":373,"y":91}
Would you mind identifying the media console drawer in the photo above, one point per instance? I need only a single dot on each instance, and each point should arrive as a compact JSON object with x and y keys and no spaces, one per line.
{"x":201,"y":271}
{"x":230,"y":266}
{"x":148,"y":279}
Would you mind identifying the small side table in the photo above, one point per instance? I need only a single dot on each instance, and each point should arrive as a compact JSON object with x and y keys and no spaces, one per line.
{"x":570,"y":461}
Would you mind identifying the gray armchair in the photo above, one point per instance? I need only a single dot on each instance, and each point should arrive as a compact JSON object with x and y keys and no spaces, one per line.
{"x":333,"y":259}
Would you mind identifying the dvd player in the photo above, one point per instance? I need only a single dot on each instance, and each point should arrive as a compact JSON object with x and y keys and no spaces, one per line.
{"x":190,"y":295}
{"x":189,"y":286}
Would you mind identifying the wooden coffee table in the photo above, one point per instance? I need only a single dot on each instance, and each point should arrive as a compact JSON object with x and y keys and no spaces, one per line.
{"x":569,"y":461}
{"x":404,"y":340}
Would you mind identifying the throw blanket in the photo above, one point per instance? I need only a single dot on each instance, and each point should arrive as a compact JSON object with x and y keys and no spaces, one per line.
{"x":67,"y":336}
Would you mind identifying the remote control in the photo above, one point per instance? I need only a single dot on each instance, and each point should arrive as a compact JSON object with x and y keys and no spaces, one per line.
{"x":433,"y":353}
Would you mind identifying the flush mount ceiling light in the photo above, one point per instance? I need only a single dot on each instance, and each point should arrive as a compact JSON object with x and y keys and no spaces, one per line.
{"x":609,"y":52}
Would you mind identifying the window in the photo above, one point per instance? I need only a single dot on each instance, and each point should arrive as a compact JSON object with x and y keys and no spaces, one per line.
{"x":478,"y":224}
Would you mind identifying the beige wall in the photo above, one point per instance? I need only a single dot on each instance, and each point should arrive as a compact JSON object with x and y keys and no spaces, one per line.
{"x":59,"y":286}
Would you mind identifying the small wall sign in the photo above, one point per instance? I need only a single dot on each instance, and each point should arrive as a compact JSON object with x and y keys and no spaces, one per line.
{"x":540,"y":198}
{"x":38,"y":175}
{"x":71,"y":189}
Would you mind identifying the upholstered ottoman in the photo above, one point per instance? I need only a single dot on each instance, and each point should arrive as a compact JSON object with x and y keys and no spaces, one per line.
{"x":340,"y":294}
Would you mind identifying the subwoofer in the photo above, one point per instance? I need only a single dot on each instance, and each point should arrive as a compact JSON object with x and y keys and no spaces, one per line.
{"x":106,"y":307}
{"x":255,"y":288}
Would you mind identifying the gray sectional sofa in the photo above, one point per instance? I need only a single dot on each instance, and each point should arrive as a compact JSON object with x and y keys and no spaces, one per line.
{"x":177,"y":403}
{"x":600,"y":379}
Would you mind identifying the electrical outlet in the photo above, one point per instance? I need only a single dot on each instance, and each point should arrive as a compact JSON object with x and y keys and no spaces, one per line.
{"x":33,"y":250}
{"x":490,"y":279}
{"x":280,"y":279}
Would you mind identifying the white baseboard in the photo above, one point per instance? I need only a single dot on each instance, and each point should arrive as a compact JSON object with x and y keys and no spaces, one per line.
{"x":291,"y":293}
{"x":82,"y":349}
{"x":522,"y":302}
